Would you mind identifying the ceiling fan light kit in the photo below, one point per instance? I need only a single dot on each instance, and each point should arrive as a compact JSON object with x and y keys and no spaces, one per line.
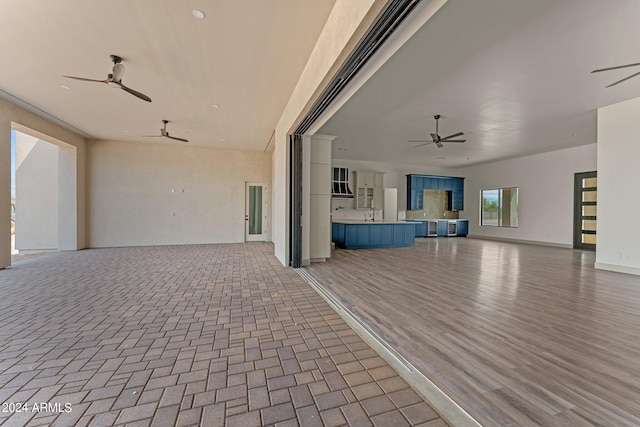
{"x":437,"y":139}
{"x":114,"y":79}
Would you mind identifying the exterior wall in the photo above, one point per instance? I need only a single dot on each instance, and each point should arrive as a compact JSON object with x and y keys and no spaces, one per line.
{"x":12,"y":115}
{"x":163,"y":194}
{"x":341,"y":25}
{"x":36,"y":193}
{"x":545,"y":183}
{"x":618,"y":246}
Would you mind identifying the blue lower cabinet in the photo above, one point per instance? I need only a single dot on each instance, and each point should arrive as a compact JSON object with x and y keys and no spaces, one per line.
{"x":443,"y":228}
{"x":363,"y":235}
{"x":386,"y":234}
{"x":463,"y":228}
{"x":373,"y":235}
{"x":421,"y":229}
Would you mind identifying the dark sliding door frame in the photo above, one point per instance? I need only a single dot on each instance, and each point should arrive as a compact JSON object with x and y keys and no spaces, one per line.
{"x":295,"y":191}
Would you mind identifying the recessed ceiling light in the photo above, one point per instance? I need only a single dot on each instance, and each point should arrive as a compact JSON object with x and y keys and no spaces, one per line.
{"x":65,"y":87}
{"x":198,"y":14}
{"x":216,"y":105}
{"x":221,"y":139}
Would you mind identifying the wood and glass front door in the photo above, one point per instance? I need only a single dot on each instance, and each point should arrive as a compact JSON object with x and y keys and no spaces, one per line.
{"x":255,"y":213}
{"x":585,"y":210}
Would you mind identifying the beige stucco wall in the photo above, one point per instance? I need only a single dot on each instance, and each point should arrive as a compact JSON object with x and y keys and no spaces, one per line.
{"x":37,"y":209}
{"x":22,"y":119}
{"x":162,"y":194}
{"x":343,"y":23}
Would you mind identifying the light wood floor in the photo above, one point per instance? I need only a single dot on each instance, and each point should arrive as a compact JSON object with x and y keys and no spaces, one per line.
{"x":516,"y":334}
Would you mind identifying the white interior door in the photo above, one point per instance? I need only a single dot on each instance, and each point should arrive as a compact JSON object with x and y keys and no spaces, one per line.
{"x":255,"y":212}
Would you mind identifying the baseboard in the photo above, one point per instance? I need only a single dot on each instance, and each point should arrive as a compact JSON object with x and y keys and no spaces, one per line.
{"x":448,"y":410}
{"x":528,"y":242}
{"x":617,"y":268}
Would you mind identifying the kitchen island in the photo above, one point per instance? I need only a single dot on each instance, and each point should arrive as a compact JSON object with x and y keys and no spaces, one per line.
{"x":351,"y":234}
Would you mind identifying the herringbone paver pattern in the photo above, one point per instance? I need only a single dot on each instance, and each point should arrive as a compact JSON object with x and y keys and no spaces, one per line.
{"x":205,"y":335}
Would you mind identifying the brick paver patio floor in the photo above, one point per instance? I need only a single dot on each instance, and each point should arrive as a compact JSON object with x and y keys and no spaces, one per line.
{"x":206,"y":335}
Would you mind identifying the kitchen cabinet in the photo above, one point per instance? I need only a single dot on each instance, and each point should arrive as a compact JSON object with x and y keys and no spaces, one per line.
{"x":416,"y":184}
{"x":463,"y":228}
{"x":360,"y":235}
{"x":421,"y":228}
{"x":369,"y":189}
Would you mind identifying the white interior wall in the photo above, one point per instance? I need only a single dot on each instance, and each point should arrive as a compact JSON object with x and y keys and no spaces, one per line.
{"x":162,"y":194}
{"x":618,"y":239}
{"x":37,"y":191}
{"x":545,"y":183}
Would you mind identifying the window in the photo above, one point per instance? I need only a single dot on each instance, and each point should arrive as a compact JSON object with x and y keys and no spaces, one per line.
{"x":500,"y":207}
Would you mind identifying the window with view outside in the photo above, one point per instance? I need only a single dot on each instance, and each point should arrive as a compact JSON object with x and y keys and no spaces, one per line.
{"x":500,"y":207}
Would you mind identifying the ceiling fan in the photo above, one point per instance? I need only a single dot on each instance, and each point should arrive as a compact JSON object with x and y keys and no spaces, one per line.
{"x":114,"y":79}
{"x":164,"y":133}
{"x":436,"y":139}
{"x":618,"y":67}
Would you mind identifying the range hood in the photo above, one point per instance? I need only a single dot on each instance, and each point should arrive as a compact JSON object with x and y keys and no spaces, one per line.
{"x":340,"y":183}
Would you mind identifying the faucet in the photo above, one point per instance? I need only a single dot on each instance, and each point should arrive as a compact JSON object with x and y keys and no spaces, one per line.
{"x":373,"y":214}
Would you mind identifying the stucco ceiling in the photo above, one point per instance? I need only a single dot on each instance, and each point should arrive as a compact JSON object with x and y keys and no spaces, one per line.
{"x":245,"y":56}
{"x":513,"y":75}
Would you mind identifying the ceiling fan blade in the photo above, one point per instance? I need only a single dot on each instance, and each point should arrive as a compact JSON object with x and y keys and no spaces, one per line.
{"x":419,"y":140}
{"x":176,"y":138}
{"x":615,"y":68}
{"x":451,"y":136}
{"x":454,"y":140}
{"x":626,"y":78}
{"x":87,"y":80}
{"x":439,"y":144}
{"x":422,"y":145}
{"x":152,"y":136}
{"x":135,"y":93}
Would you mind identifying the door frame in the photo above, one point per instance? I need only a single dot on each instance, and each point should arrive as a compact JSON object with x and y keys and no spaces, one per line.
{"x":255,"y":237}
{"x":577,"y":210}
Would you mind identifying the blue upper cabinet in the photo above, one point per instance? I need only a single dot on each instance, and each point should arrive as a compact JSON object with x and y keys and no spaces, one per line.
{"x":417,"y":183}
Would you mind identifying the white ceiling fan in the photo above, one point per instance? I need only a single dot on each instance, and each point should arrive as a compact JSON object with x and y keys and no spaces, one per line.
{"x":114,"y":79}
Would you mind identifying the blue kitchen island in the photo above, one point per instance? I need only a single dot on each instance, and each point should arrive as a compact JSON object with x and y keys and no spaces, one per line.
{"x":366,"y":235}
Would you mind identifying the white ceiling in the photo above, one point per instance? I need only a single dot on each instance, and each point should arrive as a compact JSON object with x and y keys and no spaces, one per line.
{"x":245,"y":56}
{"x":513,"y":75}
